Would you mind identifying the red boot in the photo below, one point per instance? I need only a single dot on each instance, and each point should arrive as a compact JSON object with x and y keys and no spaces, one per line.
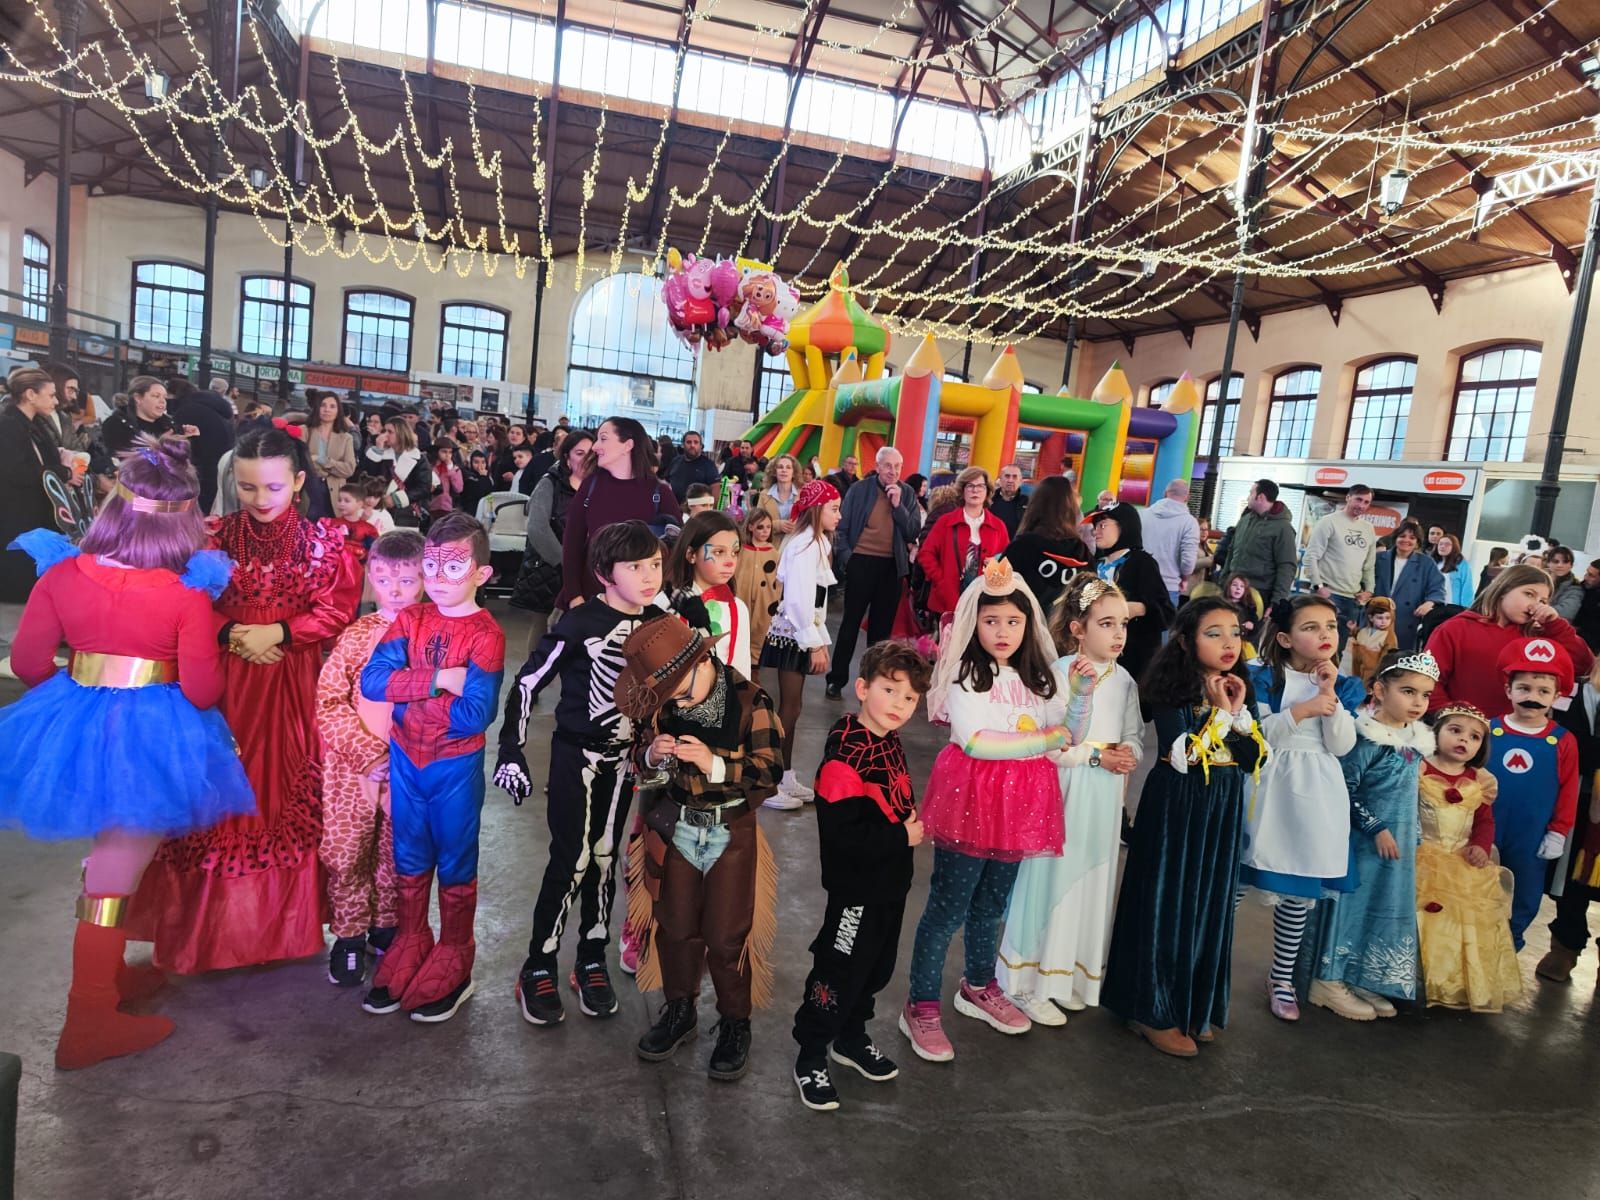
{"x":444,"y":982}
{"x":94,"y":1029}
{"x":136,"y":984}
{"x":412,"y":945}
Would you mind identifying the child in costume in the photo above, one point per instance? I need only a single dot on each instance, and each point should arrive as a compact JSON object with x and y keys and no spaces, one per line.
{"x":797,"y":642}
{"x":1535,"y":762}
{"x":1373,"y":640}
{"x":994,"y":798}
{"x":702,"y":887}
{"x":1367,"y":939}
{"x":756,"y":580}
{"x":1463,"y":894}
{"x":1297,"y":826}
{"x":1058,"y":925}
{"x":357,"y":847}
{"x":701,"y":568}
{"x":440,"y":665}
{"x":1172,"y":943}
{"x":349,"y":515}
{"x":867,"y":828}
{"x":125,"y":745}
{"x":590,"y":785}
{"x":372,"y":510}
{"x":1580,"y":882}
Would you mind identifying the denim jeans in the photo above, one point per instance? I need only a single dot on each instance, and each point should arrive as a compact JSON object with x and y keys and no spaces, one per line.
{"x":1349,"y":611}
{"x":701,"y":847}
{"x":964,"y":893}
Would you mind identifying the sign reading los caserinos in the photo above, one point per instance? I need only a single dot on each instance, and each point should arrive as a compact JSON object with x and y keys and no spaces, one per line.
{"x":1429,"y":478}
{"x":1444,"y":481}
{"x":1331,"y":476}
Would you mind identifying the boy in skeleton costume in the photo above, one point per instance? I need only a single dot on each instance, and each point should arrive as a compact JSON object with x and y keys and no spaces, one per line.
{"x":590,"y":787}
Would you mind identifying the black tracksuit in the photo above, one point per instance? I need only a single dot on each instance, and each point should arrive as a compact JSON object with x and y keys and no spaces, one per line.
{"x":590,"y":787}
{"x":863,"y":798}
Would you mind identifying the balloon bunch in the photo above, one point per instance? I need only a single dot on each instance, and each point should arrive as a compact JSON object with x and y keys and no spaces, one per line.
{"x":700,"y":294}
{"x":766,"y":305}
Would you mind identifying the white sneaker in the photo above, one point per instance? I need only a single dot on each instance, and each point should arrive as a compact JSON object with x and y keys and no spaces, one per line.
{"x":1039,"y":1010}
{"x":1072,"y":1003}
{"x":1380,"y":1004}
{"x":783,"y":800}
{"x":1338,"y":998}
{"x":790,"y":785}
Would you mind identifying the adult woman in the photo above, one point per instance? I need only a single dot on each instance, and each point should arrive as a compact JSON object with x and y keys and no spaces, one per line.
{"x":1205,"y":558}
{"x":1498,"y":557}
{"x":146,"y":413}
{"x":539,"y":580}
{"x":622,"y":485}
{"x":371,"y":431}
{"x":1409,"y":577}
{"x":1467,"y":646}
{"x":504,"y":468}
{"x":1047,"y":550}
{"x":446,"y":481}
{"x":28,"y":454}
{"x":778,"y":493}
{"x":961,"y":542}
{"x":407,"y":476}
{"x":332,"y":449}
{"x":1456,"y":570}
{"x":1120,"y":558}
{"x":249,"y":890}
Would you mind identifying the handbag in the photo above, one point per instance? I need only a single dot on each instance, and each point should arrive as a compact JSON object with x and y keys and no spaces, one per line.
{"x":538,"y":584}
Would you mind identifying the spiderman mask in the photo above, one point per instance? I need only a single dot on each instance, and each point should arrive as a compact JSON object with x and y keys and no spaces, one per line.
{"x":450,"y":575}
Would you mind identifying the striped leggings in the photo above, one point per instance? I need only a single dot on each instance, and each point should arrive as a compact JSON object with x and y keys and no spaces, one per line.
{"x":1289,"y":919}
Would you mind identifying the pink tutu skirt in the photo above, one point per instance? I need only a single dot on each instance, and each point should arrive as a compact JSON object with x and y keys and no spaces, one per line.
{"x":1003,"y":810}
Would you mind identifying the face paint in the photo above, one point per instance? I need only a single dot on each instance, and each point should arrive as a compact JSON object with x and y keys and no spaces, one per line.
{"x":451,"y":560}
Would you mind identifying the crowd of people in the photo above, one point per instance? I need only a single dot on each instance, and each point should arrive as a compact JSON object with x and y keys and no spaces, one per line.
{"x":1394,"y":757}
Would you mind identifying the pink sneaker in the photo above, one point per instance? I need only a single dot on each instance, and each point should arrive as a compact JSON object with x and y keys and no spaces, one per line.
{"x":989,"y":1004}
{"x":920,"y":1023}
{"x":628,"y":953}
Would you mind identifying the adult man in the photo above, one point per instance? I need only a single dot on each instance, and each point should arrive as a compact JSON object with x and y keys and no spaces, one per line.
{"x":1588,"y":622}
{"x":1010,"y":501}
{"x":1340,"y":555}
{"x":691,"y":466}
{"x":211,"y":416}
{"x":877,"y":522}
{"x":1172,"y":537}
{"x":1262,"y":547}
{"x":736,"y":466}
{"x":1567,"y":598}
{"x":845,"y":475}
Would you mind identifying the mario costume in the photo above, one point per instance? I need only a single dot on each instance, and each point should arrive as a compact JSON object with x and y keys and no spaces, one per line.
{"x":436,"y":744}
{"x":1535,"y":762}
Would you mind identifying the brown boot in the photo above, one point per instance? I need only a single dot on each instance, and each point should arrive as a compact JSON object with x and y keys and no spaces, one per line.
{"x":1168,"y":1041}
{"x":1556,"y":967}
{"x":94,"y":1030}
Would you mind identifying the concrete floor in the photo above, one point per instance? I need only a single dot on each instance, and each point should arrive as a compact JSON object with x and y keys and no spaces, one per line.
{"x":276,"y":1084}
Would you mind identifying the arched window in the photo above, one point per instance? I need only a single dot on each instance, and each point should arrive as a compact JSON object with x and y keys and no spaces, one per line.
{"x":261,"y":317}
{"x":1230,"y":414}
{"x":377,"y":330}
{"x":1159,"y":392}
{"x":1290,"y":412}
{"x":1493,"y":405}
{"x":1379,"y":407}
{"x":776,"y":384}
{"x":35,"y":277}
{"x":626,"y":361}
{"x":168,"y":302}
{"x":472,"y":341}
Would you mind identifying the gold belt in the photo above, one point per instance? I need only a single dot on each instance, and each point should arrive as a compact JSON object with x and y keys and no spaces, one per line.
{"x":121,"y":670}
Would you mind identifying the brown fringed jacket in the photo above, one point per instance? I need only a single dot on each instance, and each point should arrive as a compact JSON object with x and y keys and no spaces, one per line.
{"x":749,"y":742}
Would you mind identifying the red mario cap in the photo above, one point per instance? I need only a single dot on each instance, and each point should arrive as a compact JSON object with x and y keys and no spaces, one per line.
{"x":1539,"y":656}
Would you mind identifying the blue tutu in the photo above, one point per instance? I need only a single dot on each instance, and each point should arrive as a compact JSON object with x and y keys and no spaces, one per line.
{"x":76,"y":760}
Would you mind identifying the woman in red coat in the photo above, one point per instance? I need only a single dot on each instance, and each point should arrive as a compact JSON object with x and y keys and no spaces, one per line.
{"x":1516,"y":605}
{"x":250,"y":890}
{"x":958,"y":544}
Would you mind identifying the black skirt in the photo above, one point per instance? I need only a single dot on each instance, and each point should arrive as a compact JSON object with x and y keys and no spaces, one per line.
{"x":785,"y":654}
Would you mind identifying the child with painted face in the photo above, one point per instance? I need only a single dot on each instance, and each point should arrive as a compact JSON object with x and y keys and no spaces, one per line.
{"x":1535,"y":762}
{"x":1366,"y":943}
{"x":1463,"y":894}
{"x":357,"y":846}
{"x":1058,"y":924}
{"x":590,"y":785}
{"x":699,"y":578}
{"x":1297,"y":833}
{"x":994,"y":797}
{"x":440,"y":665}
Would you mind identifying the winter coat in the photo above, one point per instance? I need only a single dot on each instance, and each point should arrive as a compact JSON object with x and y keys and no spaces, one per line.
{"x":857,"y":508}
{"x":1419,"y":582}
{"x":1264,"y":550}
{"x":27,"y":454}
{"x":1172,"y":538}
{"x":1567,"y":598}
{"x":1467,"y":647}
{"x":944,"y":552}
{"x":1137,"y":574}
{"x":1458,"y":585}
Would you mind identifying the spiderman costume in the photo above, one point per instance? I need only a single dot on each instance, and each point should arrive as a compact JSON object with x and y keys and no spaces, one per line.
{"x":436,"y":746}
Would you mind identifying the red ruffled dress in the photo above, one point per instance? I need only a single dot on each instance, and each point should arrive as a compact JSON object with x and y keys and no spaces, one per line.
{"x":250,"y":890}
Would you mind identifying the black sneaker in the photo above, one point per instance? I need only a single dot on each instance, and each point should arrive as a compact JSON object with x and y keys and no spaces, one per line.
{"x":445,"y":1007}
{"x":593,"y":984}
{"x":816,"y":1089}
{"x":866,"y":1058}
{"x":347,"y":961}
{"x":674,"y":1026}
{"x":832,"y":692}
{"x":379,"y":1001}
{"x":730,"y":1057}
{"x":539,"y":997}
{"x":379,"y":939}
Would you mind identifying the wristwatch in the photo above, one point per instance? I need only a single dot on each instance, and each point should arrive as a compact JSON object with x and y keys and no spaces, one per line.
{"x":1094,"y":756}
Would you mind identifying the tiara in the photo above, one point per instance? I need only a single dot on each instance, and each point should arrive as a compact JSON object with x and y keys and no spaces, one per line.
{"x":997,"y":577}
{"x":1419,"y":664}
{"x":143,"y":504}
{"x":1092,"y":591}
{"x":1460,"y":708}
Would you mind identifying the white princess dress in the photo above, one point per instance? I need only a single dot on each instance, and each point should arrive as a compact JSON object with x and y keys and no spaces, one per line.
{"x":1058,"y":924}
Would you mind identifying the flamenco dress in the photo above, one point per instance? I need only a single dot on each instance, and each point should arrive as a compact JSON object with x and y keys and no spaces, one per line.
{"x":250,"y":890}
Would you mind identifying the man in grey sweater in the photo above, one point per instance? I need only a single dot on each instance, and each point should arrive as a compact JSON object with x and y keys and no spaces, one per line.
{"x":1339,"y":558}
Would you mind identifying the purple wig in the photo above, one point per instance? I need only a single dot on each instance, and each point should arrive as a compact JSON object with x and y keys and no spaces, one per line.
{"x":158,"y":471}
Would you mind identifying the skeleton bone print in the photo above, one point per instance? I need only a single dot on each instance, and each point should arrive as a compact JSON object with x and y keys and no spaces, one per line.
{"x":606,"y":653}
